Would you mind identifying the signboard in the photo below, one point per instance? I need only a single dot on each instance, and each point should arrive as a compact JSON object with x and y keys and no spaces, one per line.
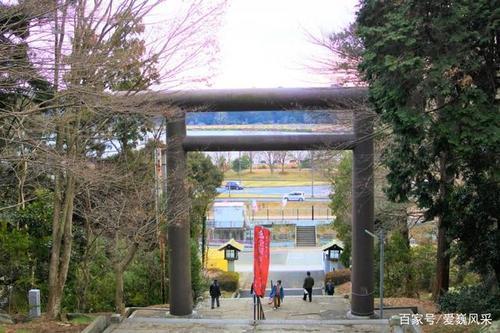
{"x":261,"y":240}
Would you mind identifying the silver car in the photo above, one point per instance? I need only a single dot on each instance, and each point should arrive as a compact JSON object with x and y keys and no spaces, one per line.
{"x":294,"y":196}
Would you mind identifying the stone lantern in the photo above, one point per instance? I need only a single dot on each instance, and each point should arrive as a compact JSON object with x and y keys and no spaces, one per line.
{"x":231,"y":250}
{"x":333,"y":250}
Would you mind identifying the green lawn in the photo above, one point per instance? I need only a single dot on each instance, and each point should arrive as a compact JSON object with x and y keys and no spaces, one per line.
{"x":82,"y":320}
{"x":2,"y":329}
{"x":263,"y":177}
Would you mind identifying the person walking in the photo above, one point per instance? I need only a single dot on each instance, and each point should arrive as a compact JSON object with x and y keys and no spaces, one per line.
{"x":308,"y":286}
{"x":215,"y":293}
{"x":329,"y":288}
{"x":277,"y":294}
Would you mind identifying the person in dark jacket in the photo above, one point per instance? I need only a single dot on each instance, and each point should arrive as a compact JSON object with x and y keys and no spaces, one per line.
{"x":329,"y":288}
{"x":308,"y":286}
{"x":215,"y":293}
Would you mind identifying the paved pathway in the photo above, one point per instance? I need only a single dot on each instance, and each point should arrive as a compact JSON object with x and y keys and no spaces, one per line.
{"x":288,"y":265}
{"x":323,"y":314}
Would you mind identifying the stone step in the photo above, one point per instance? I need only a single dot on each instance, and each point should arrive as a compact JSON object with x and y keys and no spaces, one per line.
{"x":157,"y":325}
{"x":305,"y":236}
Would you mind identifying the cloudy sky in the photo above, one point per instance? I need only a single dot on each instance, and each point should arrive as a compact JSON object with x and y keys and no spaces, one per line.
{"x":261,"y":43}
{"x":264,"y":43}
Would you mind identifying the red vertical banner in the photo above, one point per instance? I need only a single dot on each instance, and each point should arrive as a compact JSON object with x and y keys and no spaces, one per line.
{"x":261,"y":240}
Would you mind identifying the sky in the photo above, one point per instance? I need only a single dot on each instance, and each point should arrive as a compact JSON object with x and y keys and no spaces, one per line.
{"x":260,"y":43}
{"x":264,"y":43}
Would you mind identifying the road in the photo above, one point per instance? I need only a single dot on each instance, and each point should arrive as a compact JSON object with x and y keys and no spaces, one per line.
{"x":264,"y":199}
{"x":320,"y":191}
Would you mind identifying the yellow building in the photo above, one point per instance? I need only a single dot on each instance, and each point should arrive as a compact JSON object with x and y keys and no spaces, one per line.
{"x":215,"y":259}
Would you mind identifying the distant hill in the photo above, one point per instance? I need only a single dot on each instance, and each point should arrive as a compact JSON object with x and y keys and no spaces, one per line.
{"x":261,"y":117}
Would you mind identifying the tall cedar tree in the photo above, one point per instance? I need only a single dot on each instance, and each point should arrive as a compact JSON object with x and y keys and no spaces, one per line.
{"x":431,"y":68}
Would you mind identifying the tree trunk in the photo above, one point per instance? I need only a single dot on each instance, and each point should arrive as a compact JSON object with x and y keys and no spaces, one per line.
{"x":119,"y":306}
{"x":119,"y":267}
{"x":442,"y":255}
{"x":84,"y":277}
{"x":442,"y":264}
{"x":23,"y":172}
{"x":63,"y":199}
{"x":62,"y":238}
{"x":203,"y":239}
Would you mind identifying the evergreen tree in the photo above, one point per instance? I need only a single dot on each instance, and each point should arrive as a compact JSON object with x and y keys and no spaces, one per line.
{"x":431,"y":68}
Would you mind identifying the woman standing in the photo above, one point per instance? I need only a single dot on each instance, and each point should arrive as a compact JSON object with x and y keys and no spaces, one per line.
{"x":277,"y":294}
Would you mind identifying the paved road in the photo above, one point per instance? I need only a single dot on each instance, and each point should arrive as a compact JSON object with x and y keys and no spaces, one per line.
{"x":320,"y":191}
{"x":269,"y":199}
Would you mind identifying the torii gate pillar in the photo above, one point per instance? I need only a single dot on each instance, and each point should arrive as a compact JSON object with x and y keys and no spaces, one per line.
{"x":179,"y":251}
{"x":362,"y":218}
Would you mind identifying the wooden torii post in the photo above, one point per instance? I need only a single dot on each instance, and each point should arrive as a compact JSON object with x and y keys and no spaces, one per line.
{"x":360,"y":140}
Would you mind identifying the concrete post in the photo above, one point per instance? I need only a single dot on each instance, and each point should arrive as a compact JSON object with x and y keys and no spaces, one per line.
{"x":230,"y":265}
{"x":362,"y":217}
{"x":179,"y":252}
{"x":34,"y":303}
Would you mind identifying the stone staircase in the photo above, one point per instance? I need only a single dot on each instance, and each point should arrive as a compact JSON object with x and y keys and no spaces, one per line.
{"x":305,"y":236}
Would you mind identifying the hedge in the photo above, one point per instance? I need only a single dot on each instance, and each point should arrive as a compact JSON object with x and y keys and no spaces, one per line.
{"x":228,"y":281}
{"x":338,"y":276}
{"x":472,"y":299}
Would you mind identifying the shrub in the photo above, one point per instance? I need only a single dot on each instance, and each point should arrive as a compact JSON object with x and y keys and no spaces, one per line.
{"x":424,"y":266}
{"x":228,"y":281}
{"x":338,"y":276}
{"x":472,"y":299}
{"x":398,"y":269}
{"x":198,"y":283}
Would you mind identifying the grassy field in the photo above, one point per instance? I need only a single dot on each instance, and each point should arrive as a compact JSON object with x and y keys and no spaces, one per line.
{"x":264,"y":178}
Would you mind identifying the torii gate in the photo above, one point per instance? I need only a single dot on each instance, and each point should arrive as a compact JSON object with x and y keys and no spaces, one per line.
{"x":360,"y":140}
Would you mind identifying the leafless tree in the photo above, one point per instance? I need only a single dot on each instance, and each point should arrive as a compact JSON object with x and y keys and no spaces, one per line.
{"x":86,"y":51}
{"x":270,"y":158}
{"x":281,"y":157}
{"x":342,"y":53}
{"x":251,"y":156}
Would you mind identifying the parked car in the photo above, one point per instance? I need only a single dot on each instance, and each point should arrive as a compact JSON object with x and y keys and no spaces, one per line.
{"x":294,"y":196}
{"x":233,"y":186}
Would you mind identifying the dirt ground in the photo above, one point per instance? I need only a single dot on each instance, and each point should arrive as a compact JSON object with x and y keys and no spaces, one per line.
{"x":424,"y":306}
{"x":43,"y":326}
